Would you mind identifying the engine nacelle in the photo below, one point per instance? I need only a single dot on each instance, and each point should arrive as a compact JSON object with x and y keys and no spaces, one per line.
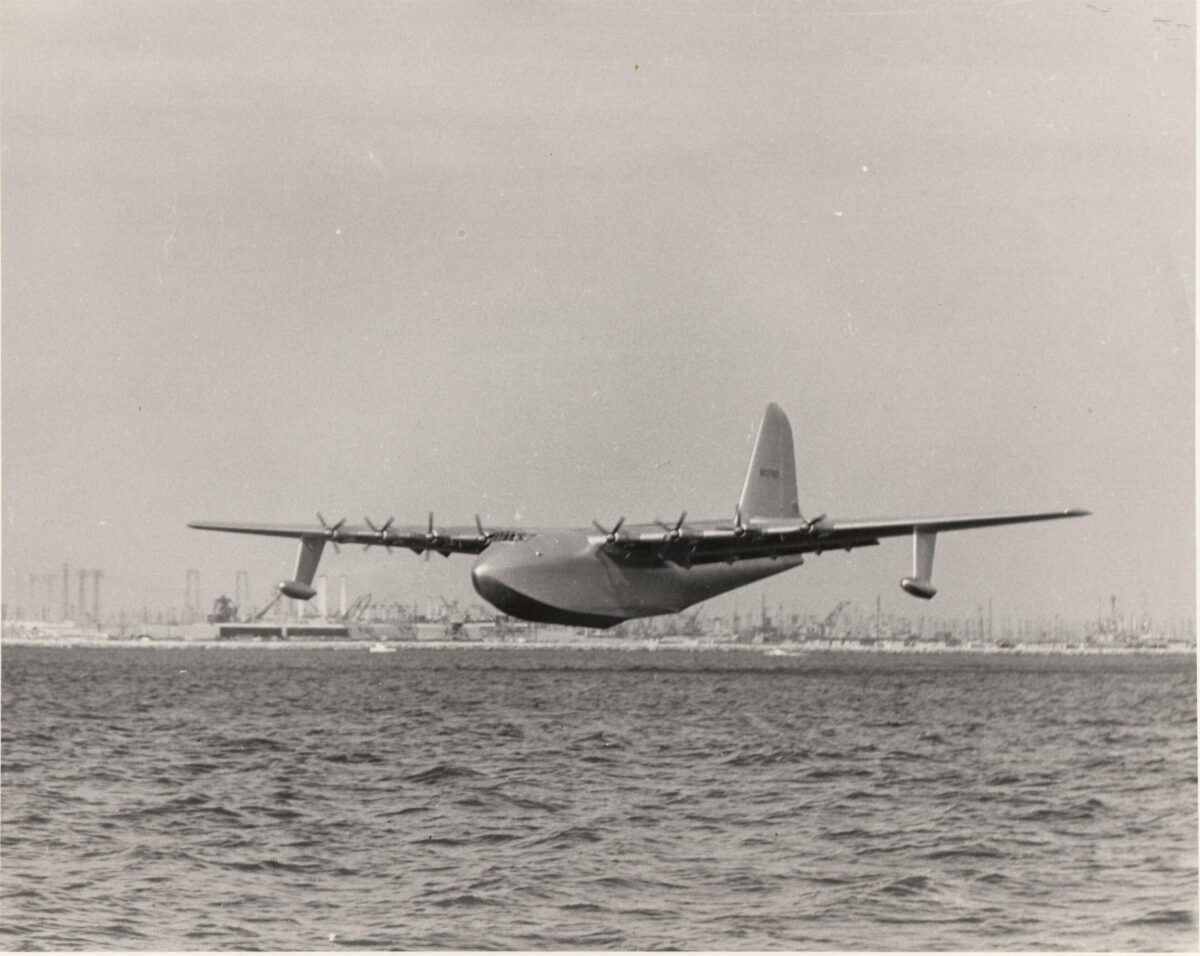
{"x":297,"y":590}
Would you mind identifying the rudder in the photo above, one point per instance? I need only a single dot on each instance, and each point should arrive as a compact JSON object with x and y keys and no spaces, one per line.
{"x":770,"y":488}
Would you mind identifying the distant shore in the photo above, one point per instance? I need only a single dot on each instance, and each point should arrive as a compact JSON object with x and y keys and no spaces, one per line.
{"x":585,"y":643}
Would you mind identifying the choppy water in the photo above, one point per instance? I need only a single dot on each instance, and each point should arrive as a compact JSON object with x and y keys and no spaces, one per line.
{"x":471,"y":798}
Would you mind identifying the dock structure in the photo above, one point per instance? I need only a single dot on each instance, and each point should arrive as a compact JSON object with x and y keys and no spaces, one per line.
{"x":283,"y":629}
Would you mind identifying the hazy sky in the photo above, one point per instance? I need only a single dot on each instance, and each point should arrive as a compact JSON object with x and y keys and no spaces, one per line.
{"x":553,"y":261}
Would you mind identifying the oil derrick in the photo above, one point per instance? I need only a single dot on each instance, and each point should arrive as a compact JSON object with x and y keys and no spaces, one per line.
{"x":191,"y":604}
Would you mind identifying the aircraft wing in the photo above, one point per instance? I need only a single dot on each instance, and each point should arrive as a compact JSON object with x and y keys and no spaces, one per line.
{"x":445,"y":541}
{"x":891,"y":527}
{"x":759,"y":538}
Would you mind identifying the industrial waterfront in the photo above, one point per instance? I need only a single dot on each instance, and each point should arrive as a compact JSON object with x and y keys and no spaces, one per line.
{"x":339,"y":615}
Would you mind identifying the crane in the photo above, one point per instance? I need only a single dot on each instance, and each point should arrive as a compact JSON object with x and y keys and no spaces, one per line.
{"x":826,"y":626}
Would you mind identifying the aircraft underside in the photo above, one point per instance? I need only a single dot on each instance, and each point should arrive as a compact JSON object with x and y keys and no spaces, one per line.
{"x":563,"y":579}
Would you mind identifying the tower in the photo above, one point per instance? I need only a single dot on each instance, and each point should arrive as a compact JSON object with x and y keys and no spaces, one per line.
{"x":96,"y":576}
{"x":191,"y":607}
{"x":241,"y":592}
{"x":322,"y":597}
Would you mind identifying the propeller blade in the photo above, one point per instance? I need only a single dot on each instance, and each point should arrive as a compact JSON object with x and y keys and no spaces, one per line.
{"x":673,"y":533}
{"x":609,"y":535}
{"x":381,"y":533}
{"x":330,"y":529}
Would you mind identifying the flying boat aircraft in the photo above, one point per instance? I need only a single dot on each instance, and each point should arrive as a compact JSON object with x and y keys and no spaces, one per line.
{"x":598,"y":577}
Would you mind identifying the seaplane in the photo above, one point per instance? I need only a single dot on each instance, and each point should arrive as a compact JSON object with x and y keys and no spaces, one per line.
{"x":600,"y":576}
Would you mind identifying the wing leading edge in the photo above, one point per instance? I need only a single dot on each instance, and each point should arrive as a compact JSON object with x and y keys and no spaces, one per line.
{"x":890,"y":527}
{"x":445,"y":541}
{"x":773,"y":538}
{"x":451,"y":540}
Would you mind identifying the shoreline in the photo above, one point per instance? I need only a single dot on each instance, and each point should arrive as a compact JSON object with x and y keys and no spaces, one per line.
{"x":790,"y":650}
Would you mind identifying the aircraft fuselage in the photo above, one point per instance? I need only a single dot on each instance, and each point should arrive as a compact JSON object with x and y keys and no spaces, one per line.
{"x":568,"y":577}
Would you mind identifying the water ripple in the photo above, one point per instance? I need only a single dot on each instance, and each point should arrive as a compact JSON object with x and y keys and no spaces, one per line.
{"x":558,"y":799}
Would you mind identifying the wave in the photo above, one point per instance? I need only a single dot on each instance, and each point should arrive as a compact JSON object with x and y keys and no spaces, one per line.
{"x":972,"y":851}
{"x":246,"y":745}
{"x":1082,"y":811}
{"x":1164,"y":918}
{"x":908,"y":886}
{"x":358,"y":756}
{"x":465,"y":899}
{"x":189,"y":806}
{"x":443,"y":771}
{"x":763,"y":758}
{"x":567,"y":837}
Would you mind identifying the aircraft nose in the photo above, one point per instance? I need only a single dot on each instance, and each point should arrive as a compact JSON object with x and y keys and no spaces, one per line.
{"x":495,"y":586}
{"x":487,"y":584}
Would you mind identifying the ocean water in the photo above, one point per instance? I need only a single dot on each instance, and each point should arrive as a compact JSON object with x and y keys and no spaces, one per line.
{"x":285,"y":798}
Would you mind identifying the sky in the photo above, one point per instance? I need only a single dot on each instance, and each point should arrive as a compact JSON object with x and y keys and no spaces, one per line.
{"x":549,"y":263}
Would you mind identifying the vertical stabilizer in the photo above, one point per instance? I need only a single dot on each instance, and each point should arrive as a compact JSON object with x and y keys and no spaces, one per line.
{"x":770,"y":488}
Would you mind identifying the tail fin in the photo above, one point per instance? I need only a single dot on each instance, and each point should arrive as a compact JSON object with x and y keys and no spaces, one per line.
{"x":770,"y":488}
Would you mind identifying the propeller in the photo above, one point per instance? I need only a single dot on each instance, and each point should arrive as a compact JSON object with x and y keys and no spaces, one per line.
{"x":483,"y":535}
{"x":434,"y":538}
{"x":610,"y":537}
{"x":381,"y":533}
{"x":675,"y":533}
{"x":331,"y":531}
{"x":809,"y":525}
{"x":739,"y":529}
